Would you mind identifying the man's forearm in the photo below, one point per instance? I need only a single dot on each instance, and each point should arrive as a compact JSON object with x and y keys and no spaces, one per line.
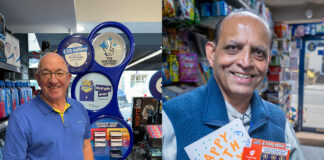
{"x":87,"y":150}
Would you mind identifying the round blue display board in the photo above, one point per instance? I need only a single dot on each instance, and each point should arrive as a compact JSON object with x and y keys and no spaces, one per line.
{"x":111,"y":138}
{"x":156,"y":85}
{"x":110,"y":48}
{"x":94,"y":90}
{"x":77,"y":51}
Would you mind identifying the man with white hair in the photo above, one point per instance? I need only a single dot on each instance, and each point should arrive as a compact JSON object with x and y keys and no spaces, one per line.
{"x":239,"y":57}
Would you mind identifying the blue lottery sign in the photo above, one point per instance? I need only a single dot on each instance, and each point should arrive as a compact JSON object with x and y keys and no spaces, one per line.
{"x":77,"y":51}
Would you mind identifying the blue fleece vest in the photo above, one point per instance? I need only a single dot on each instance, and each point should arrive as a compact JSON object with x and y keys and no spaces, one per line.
{"x":202,"y":111}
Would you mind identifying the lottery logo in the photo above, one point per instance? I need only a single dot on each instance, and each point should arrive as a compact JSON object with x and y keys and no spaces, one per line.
{"x":108,"y":47}
{"x":252,"y":152}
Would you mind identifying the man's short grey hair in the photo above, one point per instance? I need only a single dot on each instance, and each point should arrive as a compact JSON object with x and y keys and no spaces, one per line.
{"x":237,"y":13}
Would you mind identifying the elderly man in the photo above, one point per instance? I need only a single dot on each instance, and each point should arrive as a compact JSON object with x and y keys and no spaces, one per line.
{"x":51,"y":126}
{"x":239,"y":58}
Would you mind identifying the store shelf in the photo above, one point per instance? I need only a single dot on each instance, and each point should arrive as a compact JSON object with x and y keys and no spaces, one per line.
{"x":9,"y":67}
{"x":3,"y":125}
{"x":238,"y":4}
{"x":176,"y":22}
{"x":209,"y":22}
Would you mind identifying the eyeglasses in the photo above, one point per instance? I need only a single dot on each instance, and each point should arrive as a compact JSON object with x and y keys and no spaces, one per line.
{"x":48,"y":74}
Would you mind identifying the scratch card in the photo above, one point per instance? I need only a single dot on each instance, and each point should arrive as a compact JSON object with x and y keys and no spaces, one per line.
{"x":256,"y":149}
{"x":225,"y":143}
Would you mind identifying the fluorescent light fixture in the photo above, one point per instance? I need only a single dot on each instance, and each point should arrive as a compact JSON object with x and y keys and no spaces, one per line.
{"x":144,"y":58}
{"x":33,"y":43}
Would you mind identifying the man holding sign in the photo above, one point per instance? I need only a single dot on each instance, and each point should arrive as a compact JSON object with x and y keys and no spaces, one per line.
{"x":239,"y":57}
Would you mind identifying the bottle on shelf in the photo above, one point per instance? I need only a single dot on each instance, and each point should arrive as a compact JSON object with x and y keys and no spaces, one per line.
{"x":14,"y":95}
{"x":21,"y":93}
{"x":2,"y":100}
{"x":24,"y":86}
{"x":29,"y":91}
{"x":8,"y":102}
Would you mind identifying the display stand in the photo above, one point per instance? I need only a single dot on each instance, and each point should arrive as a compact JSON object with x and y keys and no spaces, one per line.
{"x":96,"y":88}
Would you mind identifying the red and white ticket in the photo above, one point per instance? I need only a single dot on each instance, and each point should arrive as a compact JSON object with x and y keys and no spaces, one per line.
{"x":257,"y":149}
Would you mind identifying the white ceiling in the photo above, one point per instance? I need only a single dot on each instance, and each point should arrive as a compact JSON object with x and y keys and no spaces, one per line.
{"x":292,"y":2}
{"x":294,"y":11}
{"x":140,"y":16}
{"x":62,"y":16}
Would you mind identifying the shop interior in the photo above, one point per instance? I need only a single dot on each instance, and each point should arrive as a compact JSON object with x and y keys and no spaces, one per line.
{"x":40,"y":26}
{"x":296,"y":47}
{"x":295,"y":80}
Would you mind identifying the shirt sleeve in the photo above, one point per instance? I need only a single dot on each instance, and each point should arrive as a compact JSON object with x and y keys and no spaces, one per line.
{"x":296,"y":152}
{"x":16,"y":142}
{"x":87,"y":131}
{"x":169,"y":147}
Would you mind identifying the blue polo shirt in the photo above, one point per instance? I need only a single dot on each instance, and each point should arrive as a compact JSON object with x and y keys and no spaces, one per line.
{"x":35,"y":131}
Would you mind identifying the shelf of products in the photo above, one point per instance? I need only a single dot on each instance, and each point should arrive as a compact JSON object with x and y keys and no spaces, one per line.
{"x":279,"y":80}
{"x":187,"y":27}
{"x":9,"y":67}
{"x":11,"y":93}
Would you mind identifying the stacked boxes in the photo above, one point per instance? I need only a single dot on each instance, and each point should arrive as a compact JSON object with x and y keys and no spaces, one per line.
{"x":154,"y":137}
{"x":154,"y":133}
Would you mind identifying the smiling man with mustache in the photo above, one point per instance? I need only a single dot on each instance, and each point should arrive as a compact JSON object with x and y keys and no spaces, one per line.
{"x":51,"y":126}
{"x":239,"y":57}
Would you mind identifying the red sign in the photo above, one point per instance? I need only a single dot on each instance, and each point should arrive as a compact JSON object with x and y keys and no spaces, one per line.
{"x":256,"y":149}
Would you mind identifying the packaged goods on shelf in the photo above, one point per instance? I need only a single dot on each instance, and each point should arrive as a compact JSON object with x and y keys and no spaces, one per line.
{"x":185,"y":9}
{"x":14,"y":95}
{"x":174,"y":68}
{"x":188,"y":67}
{"x":2,"y":100}
{"x":8,"y":100}
{"x":21,"y":92}
{"x":12,"y":50}
{"x":168,"y":9}
{"x":281,"y":30}
{"x":299,"y":31}
{"x":3,"y":57}
{"x":166,"y":77}
{"x":205,"y":9}
{"x":205,"y":71}
{"x":154,"y":133}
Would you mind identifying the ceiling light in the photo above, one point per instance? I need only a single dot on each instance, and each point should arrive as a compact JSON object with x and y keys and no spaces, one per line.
{"x":80,"y":28}
{"x":309,"y":13}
